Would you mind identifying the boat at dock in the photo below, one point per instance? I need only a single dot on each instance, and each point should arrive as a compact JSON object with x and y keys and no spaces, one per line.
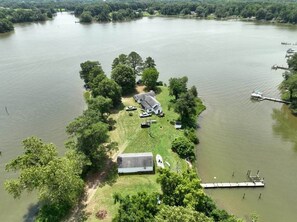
{"x":290,"y":51}
{"x":257,"y":95}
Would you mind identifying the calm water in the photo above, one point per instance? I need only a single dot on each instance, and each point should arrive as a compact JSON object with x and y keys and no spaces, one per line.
{"x":41,"y":88}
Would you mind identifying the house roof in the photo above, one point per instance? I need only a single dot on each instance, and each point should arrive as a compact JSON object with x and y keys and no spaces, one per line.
{"x":130,"y":160}
{"x":141,"y":96}
{"x":149,"y":102}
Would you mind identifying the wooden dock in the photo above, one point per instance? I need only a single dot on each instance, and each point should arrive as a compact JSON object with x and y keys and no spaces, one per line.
{"x":275,"y":100}
{"x":254,"y":182}
{"x":233,"y":185}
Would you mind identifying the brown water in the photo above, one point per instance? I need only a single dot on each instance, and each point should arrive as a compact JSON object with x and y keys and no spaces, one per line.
{"x":40,"y":86}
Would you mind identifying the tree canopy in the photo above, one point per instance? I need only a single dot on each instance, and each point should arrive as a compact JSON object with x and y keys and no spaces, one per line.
{"x":125,"y":77}
{"x":57,"y":179}
{"x":150,"y":77}
{"x":178,"y":86}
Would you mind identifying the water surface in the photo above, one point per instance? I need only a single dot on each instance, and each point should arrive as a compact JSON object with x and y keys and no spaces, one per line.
{"x":226,"y":60}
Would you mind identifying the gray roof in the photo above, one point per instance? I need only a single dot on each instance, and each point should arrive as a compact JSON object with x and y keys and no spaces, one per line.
{"x":149,"y":102}
{"x":141,"y":96}
{"x":130,"y":160}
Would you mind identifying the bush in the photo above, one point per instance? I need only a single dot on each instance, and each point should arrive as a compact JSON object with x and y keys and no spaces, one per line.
{"x":184,"y":148}
{"x":191,"y":135}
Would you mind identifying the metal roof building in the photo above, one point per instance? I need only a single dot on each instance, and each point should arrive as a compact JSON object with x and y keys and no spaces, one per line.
{"x":135,"y":162}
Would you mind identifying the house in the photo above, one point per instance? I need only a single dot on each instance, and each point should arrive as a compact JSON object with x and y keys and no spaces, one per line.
{"x":149,"y":102}
{"x":135,"y":162}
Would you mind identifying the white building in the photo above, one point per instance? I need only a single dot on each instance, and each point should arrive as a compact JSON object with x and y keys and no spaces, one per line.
{"x":149,"y":102}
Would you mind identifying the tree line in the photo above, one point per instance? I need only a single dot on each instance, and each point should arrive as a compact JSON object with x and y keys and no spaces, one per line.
{"x":94,"y":10}
{"x":289,"y":85}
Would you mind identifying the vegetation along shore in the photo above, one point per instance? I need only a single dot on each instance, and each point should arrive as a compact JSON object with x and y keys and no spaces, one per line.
{"x":84,"y":184}
{"x":17,"y":11}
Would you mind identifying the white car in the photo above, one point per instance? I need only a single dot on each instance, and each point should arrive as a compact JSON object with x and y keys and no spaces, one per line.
{"x":131,"y":108}
{"x":145,"y":114}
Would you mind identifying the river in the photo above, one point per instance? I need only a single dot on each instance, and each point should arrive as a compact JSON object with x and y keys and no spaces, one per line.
{"x":226,"y":60}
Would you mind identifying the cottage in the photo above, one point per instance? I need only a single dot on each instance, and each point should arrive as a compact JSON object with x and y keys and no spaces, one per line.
{"x":135,"y":162}
{"x":149,"y":102}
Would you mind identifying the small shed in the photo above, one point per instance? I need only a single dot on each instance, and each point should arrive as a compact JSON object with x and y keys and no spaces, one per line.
{"x":135,"y":162}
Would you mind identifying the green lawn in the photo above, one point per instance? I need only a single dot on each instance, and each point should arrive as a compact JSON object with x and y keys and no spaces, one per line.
{"x":131,"y":138}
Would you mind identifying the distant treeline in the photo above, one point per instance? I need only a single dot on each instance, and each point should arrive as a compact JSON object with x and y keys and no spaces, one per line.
{"x":92,"y":10}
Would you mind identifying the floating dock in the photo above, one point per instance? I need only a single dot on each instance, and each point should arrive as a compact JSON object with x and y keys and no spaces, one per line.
{"x":254,"y":182}
{"x":232,"y":185}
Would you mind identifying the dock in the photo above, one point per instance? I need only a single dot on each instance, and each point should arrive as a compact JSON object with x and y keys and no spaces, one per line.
{"x":275,"y":100}
{"x":276,"y":67}
{"x":232,"y":185}
{"x":257,"y":95}
{"x":254,"y":182}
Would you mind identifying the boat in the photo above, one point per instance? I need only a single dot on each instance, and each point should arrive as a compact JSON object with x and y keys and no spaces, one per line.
{"x":159,"y":161}
{"x":257,"y":95}
{"x":291,"y":51}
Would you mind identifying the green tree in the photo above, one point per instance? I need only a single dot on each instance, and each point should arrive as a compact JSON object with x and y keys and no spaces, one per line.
{"x":101,"y":105}
{"x":110,"y":89}
{"x":89,"y":71}
{"x":125,"y":77}
{"x":149,"y":63}
{"x":91,"y":134}
{"x":150,"y":77}
{"x":121,"y":59}
{"x":186,"y":107}
{"x":178,"y":86}
{"x":86,"y":17}
{"x":194,"y":91}
{"x":173,"y":214}
{"x":5,"y":25}
{"x":57,"y":179}
{"x":135,"y":61}
{"x":183,"y":147}
{"x":139,"y":207}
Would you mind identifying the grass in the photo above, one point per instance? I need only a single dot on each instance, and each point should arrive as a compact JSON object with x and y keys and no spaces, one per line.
{"x":131,"y":138}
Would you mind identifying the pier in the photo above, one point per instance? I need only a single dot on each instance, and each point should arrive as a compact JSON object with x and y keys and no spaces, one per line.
{"x":276,"y":67}
{"x":259,"y":96}
{"x":275,"y":100}
{"x":254,"y":182}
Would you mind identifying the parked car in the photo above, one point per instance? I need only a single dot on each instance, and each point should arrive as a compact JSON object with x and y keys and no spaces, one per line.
{"x":131,"y":108}
{"x":145,"y":125}
{"x":178,"y":125}
{"x":145,"y":114}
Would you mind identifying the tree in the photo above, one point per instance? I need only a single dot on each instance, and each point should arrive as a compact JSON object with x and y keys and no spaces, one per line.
{"x":125,"y":77}
{"x":86,"y":17}
{"x":186,"y":107}
{"x":150,"y":77}
{"x":89,"y":70}
{"x":135,"y":61}
{"x":5,"y":26}
{"x":178,"y":86}
{"x":139,"y":207}
{"x":194,"y":91}
{"x":173,"y":214}
{"x":101,"y":105}
{"x":121,"y":59}
{"x":292,"y":63}
{"x":183,"y":147}
{"x":110,"y":89}
{"x":57,"y":179}
{"x":149,"y":63}
{"x":91,"y":134}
